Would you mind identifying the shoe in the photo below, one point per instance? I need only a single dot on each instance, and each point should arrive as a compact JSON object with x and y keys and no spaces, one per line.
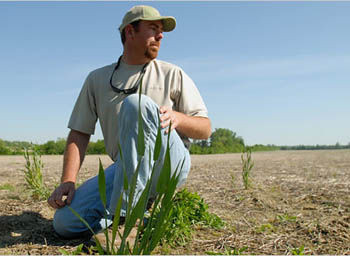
{"x":102,"y":238}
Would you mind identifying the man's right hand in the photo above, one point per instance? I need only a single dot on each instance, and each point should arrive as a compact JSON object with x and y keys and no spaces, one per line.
{"x":65,"y":189}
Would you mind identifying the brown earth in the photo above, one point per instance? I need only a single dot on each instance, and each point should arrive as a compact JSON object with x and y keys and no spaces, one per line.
{"x":298,"y":199}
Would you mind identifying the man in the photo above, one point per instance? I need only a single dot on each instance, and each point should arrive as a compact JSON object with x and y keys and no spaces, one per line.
{"x":110,"y":95}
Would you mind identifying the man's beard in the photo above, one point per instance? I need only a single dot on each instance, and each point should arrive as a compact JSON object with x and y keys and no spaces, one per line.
{"x":150,"y":53}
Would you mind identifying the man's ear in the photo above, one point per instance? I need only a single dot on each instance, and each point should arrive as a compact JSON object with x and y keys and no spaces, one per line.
{"x":129,"y":31}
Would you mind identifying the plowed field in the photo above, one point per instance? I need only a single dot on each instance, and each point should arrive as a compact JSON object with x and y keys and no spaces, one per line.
{"x":298,"y":199}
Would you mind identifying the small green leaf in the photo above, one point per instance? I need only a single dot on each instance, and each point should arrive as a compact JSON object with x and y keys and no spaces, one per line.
{"x":64,"y":252}
{"x":126,"y":183}
{"x":98,"y":244}
{"x":140,"y":134}
{"x":158,"y":143}
{"x":102,"y":184}
{"x":165,"y":173}
{"x":133,"y":187}
{"x":164,"y":176}
{"x":116,"y":220}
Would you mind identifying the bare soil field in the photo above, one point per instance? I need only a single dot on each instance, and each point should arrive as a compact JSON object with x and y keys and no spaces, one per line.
{"x":298,"y":199}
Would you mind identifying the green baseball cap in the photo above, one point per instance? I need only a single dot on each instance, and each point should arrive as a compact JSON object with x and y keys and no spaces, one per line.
{"x":144,"y":12}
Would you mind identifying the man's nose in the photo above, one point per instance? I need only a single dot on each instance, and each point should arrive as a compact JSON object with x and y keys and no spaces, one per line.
{"x":159,"y":36}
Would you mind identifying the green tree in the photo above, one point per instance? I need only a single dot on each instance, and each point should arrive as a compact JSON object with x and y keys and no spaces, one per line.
{"x":200,"y":147}
{"x":97,"y":147}
{"x":53,"y":147}
{"x":224,"y":140}
{"x":4,"y":150}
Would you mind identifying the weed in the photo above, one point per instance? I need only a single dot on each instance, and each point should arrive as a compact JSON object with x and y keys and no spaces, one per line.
{"x":7,"y":186}
{"x":229,"y":251}
{"x":286,"y":218}
{"x":189,"y":209}
{"x":265,"y":228}
{"x":78,"y":251}
{"x":33,"y":175}
{"x":233,"y":179}
{"x":298,"y":251}
{"x":247,"y":165}
{"x":239,"y":198}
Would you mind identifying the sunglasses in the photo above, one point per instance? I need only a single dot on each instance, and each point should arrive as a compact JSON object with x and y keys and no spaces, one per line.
{"x":132,"y":89}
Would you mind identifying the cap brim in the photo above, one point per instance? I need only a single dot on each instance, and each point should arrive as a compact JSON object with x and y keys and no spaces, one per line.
{"x":169,"y":22}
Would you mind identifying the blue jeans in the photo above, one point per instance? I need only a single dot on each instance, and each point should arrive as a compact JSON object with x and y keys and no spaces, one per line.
{"x":87,"y":200}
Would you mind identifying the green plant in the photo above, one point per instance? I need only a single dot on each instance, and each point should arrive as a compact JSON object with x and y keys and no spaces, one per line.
{"x":247,"y":165}
{"x":229,"y":251}
{"x":33,"y":175}
{"x":149,"y":233}
{"x":298,"y":251}
{"x":78,"y":251}
{"x":265,"y":228}
{"x":286,"y":218}
{"x":189,"y":209}
{"x":233,"y":179}
{"x":7,"y":186}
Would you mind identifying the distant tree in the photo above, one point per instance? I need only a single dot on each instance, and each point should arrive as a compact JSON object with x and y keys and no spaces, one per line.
{"x":97,"y":147}
{"x":337,"y":145}
{"x":260,"y":147}
{"x":53,"y":147}
{"x":196,"y":149}
{"x":4,"y":150}
{"x":224,"y":140}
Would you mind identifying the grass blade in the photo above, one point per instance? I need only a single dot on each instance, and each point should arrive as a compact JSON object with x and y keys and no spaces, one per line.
{"x":140,"y":134}
{"x":102,"y":184}
{"x":158,"y":143}
{"x":126,"y":183}
{"x":98,"y":244}
{"x":116,"y":220}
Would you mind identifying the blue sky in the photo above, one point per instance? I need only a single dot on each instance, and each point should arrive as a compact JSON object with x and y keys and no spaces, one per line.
{"x":273,"y":72}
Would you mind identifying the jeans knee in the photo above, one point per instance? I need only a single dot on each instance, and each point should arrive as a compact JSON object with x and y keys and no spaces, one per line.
{"x":131,"y":104}
{"x":63,"y":223}
{"x":130,"y":107}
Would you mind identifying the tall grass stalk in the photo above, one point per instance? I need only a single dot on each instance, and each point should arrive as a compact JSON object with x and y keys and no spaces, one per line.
{"x":247,"y":166}
{"x":148,"y":234}
{"x":33,"y":175}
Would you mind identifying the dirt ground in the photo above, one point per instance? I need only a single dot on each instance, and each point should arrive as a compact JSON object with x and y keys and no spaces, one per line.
{"x":298,"y":199}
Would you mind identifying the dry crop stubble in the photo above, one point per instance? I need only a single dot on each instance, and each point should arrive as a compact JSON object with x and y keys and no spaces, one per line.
{"x":298,"y":198}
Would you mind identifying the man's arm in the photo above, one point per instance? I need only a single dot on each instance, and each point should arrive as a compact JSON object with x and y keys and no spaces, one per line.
{"x":194,"y":127}
{"x":73,"y":158}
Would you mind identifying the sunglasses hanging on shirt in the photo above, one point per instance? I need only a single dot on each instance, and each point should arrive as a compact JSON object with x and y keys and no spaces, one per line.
{"x":132,"y":89}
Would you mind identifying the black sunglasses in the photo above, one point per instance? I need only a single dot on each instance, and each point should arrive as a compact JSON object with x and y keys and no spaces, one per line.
{"x":137,"y":84}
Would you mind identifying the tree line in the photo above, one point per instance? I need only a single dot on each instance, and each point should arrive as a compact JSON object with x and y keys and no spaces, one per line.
{"x":221,"y":141}
{"x":225,"y":141}
{"x":315,"y":147}
{"x":49,"y":148}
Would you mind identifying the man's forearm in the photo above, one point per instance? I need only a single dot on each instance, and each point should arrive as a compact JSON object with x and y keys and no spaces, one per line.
{"x":74,"y":155}
{"x":193,"y":126}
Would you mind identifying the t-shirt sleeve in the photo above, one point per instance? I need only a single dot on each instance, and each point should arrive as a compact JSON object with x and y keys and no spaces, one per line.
{"x":189,"y":101}
{"x":84,"y":115}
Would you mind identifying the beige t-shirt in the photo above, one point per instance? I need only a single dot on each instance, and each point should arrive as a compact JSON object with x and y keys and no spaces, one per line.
{"x":165,"y":83}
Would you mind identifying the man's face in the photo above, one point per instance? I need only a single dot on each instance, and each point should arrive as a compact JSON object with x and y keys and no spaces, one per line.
{"x":148,"y":37}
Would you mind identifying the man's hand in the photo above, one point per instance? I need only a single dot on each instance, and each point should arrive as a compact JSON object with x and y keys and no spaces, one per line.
{"x":168,"y":115}
{"x":73,"y":158}
{"x":195,"y":127}
{"x":65,"y":189}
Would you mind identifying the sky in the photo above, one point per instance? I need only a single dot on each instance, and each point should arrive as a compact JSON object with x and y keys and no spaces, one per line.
{"x":273,"y":72}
